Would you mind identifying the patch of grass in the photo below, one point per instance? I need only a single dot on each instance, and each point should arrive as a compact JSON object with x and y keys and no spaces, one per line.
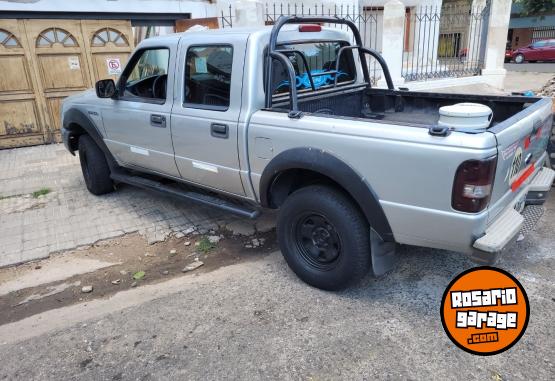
{"x":41,"y":192}
{"x":204,"y":245}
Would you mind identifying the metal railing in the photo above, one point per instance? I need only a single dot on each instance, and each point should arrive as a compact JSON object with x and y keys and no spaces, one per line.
{"x":444,"y":41}
{"x":367,"y":19}
{"x":280,"y":55}
{"x":226,"y":18}
{"x":439,"y":42}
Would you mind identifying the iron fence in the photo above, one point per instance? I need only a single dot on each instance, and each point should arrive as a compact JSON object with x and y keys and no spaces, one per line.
{"x":543,"y":33}
{"x":439,"y":42}
{"x":226,"y":18}
{"x":444,"y":41}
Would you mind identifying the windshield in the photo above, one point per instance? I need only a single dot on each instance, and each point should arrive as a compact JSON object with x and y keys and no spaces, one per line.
{"x":320,"y":57}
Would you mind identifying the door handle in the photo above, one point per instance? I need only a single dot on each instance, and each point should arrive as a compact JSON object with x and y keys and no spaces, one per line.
{"x":158,"y":120}
{"x":219,"y":130}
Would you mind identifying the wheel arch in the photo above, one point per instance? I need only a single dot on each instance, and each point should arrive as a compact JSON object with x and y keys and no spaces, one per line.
{"x":292,"y":169}
{"x":76,"y":123}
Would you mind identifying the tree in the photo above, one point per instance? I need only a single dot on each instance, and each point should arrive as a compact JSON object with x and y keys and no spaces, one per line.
{"x":536,"y":7}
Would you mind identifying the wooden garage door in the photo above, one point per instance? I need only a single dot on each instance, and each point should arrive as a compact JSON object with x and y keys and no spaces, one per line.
{"x":20,"y":117}
{"x":58,"y":48}
{"x":109,"y":44}
{"x":44,"y":61}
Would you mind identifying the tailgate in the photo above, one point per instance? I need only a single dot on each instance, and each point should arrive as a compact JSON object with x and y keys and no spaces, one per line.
{"x":521,"y":144}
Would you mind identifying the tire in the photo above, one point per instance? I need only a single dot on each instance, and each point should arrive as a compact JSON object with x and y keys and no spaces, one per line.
{"x":96,"y":171}
{"x":323,"y":220}
{"x":519,"y":58}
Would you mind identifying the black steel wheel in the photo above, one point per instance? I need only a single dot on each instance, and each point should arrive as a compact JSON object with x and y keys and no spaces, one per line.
{"x":94,"y":166}
{"x":317,"y":241}
{"x":324,"y":237}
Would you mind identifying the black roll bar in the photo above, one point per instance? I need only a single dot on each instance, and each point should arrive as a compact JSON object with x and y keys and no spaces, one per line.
{"x":374,"y":54}
{"x":273,"y":52}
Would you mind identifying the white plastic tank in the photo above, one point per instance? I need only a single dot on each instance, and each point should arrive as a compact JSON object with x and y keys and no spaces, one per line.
{"x":470,"y":116}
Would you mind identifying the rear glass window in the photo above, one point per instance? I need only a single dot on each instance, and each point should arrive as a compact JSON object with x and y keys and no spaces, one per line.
{"x":320,"y":57}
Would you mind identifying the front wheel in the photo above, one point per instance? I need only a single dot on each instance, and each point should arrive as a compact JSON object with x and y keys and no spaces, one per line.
{"x":519,"y":58}
{"x":96,"y":171}
{"x":324,"y":237}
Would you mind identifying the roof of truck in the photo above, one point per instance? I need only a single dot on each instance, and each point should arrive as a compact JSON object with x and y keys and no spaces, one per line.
{"x":287,"y":29}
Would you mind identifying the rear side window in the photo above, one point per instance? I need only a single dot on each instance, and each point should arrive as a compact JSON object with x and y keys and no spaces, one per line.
{"x":320,"y":57}
{"x":208,"y":76}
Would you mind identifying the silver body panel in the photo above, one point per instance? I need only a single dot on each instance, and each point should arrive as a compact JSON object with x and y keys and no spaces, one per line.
{"x":409,"y":170}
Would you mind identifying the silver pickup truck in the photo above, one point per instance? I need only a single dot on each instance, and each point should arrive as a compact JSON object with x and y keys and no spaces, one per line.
{"x":213,"y":117}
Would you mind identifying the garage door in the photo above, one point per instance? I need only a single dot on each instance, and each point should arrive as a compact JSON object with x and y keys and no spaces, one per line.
{"x":57,"y":58}
{"x":21,"y":121}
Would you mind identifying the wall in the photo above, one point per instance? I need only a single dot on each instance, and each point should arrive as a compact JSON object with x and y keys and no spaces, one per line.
{"x":521,"y":37}
{"x":200,"y":8}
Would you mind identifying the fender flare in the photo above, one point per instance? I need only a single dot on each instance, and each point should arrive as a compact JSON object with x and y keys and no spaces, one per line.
{"x":328,"y":165}
{"x":77,"y":117}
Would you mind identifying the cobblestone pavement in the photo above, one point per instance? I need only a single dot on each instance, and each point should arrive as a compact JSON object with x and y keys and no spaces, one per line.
{"x":69,"y":216}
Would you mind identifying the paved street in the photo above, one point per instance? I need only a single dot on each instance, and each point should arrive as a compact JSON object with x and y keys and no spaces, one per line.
{"x":69,"y":216}
{"x":256,"y":320}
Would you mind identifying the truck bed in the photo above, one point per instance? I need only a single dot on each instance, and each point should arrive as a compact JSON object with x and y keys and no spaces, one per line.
{"x":419,"y":109}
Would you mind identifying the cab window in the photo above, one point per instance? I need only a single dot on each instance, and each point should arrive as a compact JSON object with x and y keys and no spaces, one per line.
{"x":208,"y":76}
{"x":149,"y":74}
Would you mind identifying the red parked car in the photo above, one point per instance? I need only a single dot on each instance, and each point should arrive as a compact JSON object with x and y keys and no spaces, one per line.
{"x":538,"y":51}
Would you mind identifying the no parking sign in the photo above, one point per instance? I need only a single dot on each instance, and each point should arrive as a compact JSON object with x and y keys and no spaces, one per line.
{"x":114,"y":66}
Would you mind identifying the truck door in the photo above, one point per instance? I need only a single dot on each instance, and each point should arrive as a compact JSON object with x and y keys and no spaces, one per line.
{"x":204,"y":120}
{"x":137,"y":123}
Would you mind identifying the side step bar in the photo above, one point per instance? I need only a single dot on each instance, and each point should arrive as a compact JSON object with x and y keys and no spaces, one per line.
{"x":177,"y":193}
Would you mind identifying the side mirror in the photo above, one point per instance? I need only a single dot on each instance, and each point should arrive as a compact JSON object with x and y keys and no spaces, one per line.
{"x":105,"y":88}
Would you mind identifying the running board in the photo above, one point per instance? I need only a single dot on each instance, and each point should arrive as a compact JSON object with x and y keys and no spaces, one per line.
{"x":201,"y":198}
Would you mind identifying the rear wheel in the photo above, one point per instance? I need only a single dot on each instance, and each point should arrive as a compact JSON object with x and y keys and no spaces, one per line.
{"x":519,"y":58}
{"x":324,"y":237}
{"x":94,"y":166}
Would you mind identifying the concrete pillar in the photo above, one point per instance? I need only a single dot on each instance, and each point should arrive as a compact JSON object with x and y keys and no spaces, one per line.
{"x":393,"y":40}
{"x":249,"y":13}
{"x":498,"y":28}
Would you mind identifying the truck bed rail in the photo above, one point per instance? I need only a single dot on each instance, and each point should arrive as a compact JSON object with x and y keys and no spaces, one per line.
{"x":278,"y":54}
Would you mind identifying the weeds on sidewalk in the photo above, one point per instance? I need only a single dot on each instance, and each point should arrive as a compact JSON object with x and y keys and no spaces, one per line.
{"x":41,"y":192}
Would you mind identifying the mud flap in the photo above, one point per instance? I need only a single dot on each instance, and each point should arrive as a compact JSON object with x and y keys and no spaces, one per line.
{"x":384,"y":256}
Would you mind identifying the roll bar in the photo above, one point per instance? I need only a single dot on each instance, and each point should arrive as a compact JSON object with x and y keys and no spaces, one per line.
{"x":274,"y":53}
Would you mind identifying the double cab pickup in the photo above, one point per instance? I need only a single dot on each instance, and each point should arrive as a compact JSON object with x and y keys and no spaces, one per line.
{"x":286,"y":117}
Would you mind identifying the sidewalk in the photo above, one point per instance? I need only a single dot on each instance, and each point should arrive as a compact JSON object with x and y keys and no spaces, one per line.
{"x":69,"y":216}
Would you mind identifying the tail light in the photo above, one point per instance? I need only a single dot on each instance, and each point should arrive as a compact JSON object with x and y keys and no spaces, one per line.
{"x":473,"y":185}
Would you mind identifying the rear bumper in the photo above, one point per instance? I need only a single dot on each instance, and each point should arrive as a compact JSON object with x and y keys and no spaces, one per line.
{"x":504,"y":229}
